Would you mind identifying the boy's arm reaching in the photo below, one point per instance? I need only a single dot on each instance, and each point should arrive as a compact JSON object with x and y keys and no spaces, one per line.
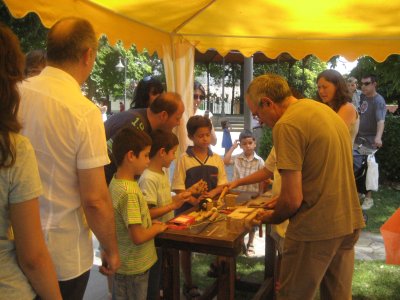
{"x":139,"y":234}
{"x":177,"y":202}
{"x":191,"y":199}
{"x":228,"y":155}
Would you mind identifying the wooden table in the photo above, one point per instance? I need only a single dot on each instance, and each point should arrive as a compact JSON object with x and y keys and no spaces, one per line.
{"x":215,"y":239}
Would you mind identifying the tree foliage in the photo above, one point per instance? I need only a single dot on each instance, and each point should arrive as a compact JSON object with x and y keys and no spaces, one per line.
{"x":30,"y":31}
{"x":106,"y":80}
{"x":300,"y":75}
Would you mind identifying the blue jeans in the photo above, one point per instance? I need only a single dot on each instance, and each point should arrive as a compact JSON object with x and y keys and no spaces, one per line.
{"x":132,"y":287}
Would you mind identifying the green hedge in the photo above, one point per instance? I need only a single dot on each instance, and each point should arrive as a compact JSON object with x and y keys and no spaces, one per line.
{"x":388,"y":156}
{"x":265,"y":142}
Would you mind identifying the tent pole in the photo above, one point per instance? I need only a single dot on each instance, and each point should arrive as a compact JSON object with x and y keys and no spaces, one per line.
{"x":248,"y":77}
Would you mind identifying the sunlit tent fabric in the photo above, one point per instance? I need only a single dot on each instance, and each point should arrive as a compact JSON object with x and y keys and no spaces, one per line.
{"x":174,"y":28}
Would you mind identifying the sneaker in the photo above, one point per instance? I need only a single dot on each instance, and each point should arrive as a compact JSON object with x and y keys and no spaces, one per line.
{"x":361,"y":196}
{"x":367,"y":204}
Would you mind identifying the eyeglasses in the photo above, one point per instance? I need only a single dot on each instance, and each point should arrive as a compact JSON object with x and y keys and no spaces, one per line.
{"x":255,"y":114}
{"x":367,"y":83}
{"x":198,"y":97}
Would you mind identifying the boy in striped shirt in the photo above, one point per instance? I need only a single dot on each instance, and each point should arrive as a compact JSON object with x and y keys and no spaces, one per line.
{"x":135,"y":230}
{"x":244,"y":164}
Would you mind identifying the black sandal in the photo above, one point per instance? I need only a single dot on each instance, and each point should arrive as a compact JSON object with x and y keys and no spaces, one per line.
{"x":191,"y":292}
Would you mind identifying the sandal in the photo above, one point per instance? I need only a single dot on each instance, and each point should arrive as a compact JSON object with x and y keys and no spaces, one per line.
{"x":250,"y":250}
{"x":191,"y":292}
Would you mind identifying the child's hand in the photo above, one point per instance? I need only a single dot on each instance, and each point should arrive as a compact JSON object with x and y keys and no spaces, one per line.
{"x":160,"y":227}
{"x":235,"y":144}
{"x":178,"y":200}
{"x":194,"y":201}
{"x":199,"y":187}
{"x":185,"y":196}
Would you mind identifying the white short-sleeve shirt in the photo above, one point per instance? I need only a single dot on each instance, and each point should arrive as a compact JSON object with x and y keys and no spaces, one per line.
{"x":67,"y":134}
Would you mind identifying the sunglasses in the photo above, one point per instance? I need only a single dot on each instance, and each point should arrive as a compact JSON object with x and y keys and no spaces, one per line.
{"x":197,"y":97}
{"x":147,"y":78}
{"x":367,"y":83}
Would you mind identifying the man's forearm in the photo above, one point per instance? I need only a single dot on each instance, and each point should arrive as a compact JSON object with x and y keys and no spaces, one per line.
{"x":96,"y":203}
{"x":100,"y":217}
{"x":256,"y":177}
{"x":379,"y":129}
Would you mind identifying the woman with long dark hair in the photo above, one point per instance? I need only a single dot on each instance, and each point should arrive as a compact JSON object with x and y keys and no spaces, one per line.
{"x":146,"y":91}
{"x":333,"y":91}
{"x":26,"y":266}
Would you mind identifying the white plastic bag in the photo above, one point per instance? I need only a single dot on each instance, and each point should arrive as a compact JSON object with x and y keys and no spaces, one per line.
{"x":372,"y":180}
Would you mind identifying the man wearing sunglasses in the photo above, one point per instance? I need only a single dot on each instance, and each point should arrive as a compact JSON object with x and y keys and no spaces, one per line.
{"x":372,"y":120}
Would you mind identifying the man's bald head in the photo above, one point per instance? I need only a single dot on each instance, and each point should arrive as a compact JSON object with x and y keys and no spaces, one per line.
{"x":68,"y":40}
{"x":169,"y":102}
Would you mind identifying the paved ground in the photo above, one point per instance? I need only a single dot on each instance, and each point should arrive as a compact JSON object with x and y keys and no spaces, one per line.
{"x":369,"y":246}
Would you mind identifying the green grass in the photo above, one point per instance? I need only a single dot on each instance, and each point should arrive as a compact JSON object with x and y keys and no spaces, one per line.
{"x":386,"y":201}
{"x":372,"y":280}
{"x":375,"y":280}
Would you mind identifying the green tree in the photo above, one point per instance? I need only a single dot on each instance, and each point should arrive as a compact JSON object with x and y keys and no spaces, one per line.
{"x":106,"y":80}
{"x":30,"y":31}
{"x":301,"y":75}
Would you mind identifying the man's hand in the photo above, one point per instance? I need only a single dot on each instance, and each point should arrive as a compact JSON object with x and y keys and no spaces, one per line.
{"x":232,"y":185}
{"x":262,"y":217}
{"x":378,"y":142}
{"x":211,"y":194}
{"x":110,"y":263}
{"x":271,"y":204}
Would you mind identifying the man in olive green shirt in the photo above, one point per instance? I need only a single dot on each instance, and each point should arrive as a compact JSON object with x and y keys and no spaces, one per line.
{"x":318,"y":194}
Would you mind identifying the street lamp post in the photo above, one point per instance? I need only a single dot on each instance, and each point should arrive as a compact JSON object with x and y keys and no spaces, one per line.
{"x":122,"y":66}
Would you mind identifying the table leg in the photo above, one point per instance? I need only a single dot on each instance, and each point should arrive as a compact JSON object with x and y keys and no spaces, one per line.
{"x":270,"y":258}
{"x":170,"y":269}
{"x":226,"y":278}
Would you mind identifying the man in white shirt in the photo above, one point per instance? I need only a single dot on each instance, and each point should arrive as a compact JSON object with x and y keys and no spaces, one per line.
{"x":352,"y":86}
{"x":67,"y":133}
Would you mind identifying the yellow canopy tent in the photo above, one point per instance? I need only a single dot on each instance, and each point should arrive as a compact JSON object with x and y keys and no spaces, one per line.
{"x":174,"y":28}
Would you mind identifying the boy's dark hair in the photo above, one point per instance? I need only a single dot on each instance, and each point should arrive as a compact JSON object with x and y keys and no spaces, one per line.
{"x":162,"y":139}
{"x":246,"y":134}
{"x":129,"y":139}
{"x":197,"y":122}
